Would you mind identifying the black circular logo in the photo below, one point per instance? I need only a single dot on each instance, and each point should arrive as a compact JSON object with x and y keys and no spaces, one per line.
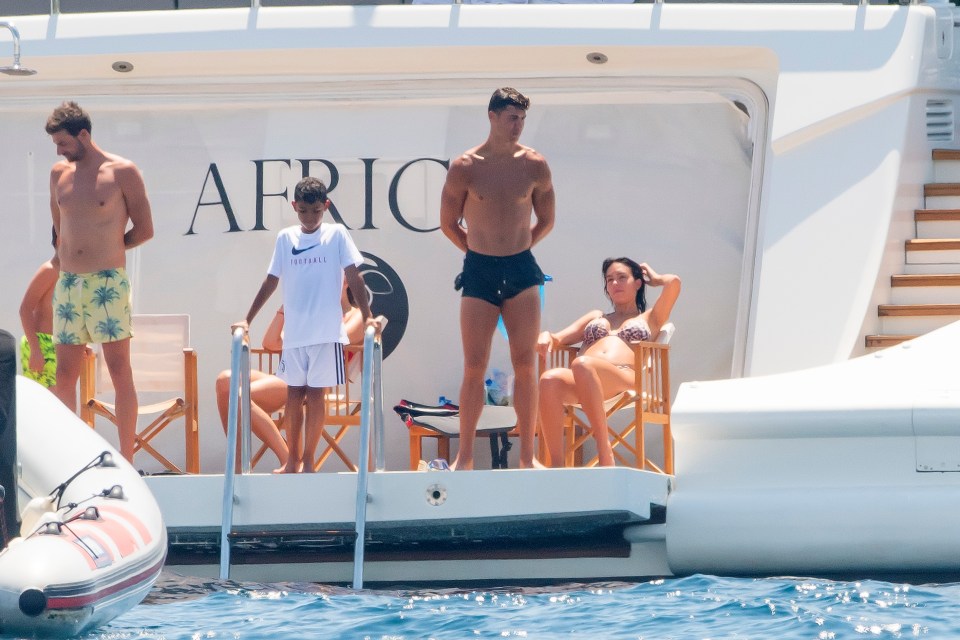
{"x":387,"y":297}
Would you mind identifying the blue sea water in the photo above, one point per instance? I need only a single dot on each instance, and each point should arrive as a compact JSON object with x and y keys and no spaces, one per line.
{"x":695,"y":607}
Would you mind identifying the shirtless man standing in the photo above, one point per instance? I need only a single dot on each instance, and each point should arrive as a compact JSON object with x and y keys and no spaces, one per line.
{"x":493,"y":188}
{"x":94,"y":197}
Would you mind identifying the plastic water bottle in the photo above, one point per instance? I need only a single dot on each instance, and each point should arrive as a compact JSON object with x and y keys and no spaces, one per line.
{"x":501,"y":387}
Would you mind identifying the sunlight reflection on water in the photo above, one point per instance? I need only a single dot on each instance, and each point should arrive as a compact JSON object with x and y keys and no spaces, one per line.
{"x":692,"y":607}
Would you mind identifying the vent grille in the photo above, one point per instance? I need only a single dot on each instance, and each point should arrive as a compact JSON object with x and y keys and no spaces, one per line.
{"x":940,"y":120}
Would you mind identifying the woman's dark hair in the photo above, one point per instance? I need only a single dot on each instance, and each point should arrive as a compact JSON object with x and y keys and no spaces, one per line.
{"x":637,"y":274}
{"x":350,"y":298}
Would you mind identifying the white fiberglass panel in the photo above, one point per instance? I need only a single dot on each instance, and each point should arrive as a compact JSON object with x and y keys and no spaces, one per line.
{"x":660,"y":175}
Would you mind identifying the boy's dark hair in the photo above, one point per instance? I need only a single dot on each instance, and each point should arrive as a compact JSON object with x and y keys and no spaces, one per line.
{"x":310,"y":190}
{"x":506,"y":97}
{"x":69,"y":117}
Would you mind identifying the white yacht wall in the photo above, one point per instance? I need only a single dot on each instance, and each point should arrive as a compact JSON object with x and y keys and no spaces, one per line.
{"x":778,"y":223}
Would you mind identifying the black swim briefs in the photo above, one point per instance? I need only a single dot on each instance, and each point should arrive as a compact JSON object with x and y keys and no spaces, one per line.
{"x":495,"y":279}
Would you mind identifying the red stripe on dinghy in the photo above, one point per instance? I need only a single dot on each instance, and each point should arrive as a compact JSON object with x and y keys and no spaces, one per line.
{"x":86,"y":599}
{"x":120,"y":535}
{"x":80,"y":539}
{"x":131,"y":519}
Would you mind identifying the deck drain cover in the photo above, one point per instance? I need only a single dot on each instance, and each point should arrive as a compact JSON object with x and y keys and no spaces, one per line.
{"x":436,"y":495}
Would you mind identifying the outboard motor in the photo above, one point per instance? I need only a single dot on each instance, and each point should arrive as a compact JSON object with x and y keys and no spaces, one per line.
{"x":9,"y":526}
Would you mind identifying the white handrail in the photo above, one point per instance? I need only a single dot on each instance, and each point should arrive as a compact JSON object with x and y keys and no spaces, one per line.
{"x":239,"y":380}
{"x":371,"y":411}
{"x":371,"y":394}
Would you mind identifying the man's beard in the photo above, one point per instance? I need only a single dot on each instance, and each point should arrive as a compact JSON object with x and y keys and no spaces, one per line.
{"x":75,"y":156}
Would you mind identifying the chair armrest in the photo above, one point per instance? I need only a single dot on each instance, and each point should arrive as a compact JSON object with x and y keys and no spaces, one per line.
{"x":264,"y":356}
{"x":561,"y":357}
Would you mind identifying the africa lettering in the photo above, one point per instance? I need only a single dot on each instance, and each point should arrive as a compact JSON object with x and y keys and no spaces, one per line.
{"x":221,"y":204}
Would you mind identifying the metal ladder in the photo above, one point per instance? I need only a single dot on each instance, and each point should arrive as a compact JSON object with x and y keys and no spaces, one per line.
{"x":371,"y":418}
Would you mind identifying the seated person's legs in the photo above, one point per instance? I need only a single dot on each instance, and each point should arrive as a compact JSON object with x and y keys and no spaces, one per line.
{"x":268,"y":394}
{"x":597,"y":380}
{"x":556,"y":390}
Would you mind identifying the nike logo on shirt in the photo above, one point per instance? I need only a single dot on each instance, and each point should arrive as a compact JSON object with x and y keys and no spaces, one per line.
{"x":297,"y":252}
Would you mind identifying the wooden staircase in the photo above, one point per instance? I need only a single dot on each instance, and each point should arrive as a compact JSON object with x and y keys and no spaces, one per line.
{"x":927,"y":295}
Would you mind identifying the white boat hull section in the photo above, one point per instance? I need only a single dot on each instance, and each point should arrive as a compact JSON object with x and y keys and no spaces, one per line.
{"x":848,"y":468}
{"x":432,"y":526}
{"x":68,"y":575}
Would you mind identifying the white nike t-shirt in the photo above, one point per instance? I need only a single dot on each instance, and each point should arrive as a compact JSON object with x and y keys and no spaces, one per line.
{"x":310,"y":267}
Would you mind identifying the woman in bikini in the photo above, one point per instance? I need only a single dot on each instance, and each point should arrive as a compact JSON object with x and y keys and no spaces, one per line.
{"x":604,"y":366}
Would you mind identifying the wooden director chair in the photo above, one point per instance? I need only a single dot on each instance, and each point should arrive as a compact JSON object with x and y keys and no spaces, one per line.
{"x":342,"y":404}
{"x":649,"y":400}
{"x":165,"y":373}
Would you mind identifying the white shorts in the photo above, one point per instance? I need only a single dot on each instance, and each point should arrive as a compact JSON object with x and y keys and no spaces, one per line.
{"x":317,"y":366}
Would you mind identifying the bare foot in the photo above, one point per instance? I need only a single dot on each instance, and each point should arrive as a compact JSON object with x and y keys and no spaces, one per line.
{"x":291,"y":467}
{"x":305,"y":468}
{"x":536,"y":464}
{"x":457,"y":465}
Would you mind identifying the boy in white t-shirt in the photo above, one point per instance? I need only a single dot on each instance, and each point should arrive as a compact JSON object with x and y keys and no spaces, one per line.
{"x":312,"y":259}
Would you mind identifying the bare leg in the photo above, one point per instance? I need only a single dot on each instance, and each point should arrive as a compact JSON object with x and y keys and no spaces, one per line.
{"x":556,"y":390}
{"x":222,"y":390}
{"x":69,"y":361}
{"x":293,"y":415}
{"x":117,"y":357}
{"x":597,"y":379}
{"x":316,"y":411}
{"x":478,"y":321}
{"x":521,"y":317}
{"x":268,"y":394}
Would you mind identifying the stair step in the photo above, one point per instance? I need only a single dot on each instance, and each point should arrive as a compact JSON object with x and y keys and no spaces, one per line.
{"x":933,"y":244}
{"x":922,"y":298}
{"x":925,"y":288}
{"x":886,"y":340}
{"x":942,"y":201}
{"x":919,"y":268}
{"x":932,"y":251}
{"x":936,"y":215}
{"x":937,"y":223}
{"x":941,"y":189}
{"x":903,"y":310}
{"x":946,"y":154}
{"x":925,"y":280}
{"x":946,"y":165}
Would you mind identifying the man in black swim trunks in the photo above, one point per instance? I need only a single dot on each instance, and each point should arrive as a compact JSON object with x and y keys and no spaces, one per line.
{"x":493,"y":188}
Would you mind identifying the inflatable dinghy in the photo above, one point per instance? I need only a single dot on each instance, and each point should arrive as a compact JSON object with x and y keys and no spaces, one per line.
{"x":92,"y":541}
